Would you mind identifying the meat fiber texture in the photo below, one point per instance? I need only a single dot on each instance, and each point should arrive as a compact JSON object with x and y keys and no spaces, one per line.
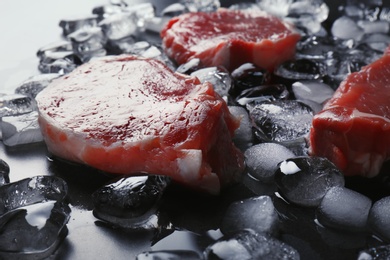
{"x":353,"y":129}
{"x":230,"y":38}
{"x":128,"y":115}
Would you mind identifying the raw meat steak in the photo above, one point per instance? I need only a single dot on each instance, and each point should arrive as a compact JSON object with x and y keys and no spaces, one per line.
{"x":230,"y":38}
{"x":127,"y":115}
{"x":353,"y":129}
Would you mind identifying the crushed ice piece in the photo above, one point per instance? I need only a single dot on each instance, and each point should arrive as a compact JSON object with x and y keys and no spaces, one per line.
{"x":4,"y":173}
{"x":61,"y":62}
{"x":257,"y":213}
{"x":378,"y":218}
{"x":73,"y":24}
{"x":219,"y":77}
{"x":346,"y":28}
{"x":104,"y":11}
{"x":21,"y":129}
{"x":201,"y":5}
{"x":55,"y":47}
{"x":256,"y":95}
{"x":308,"y":186}
{"x":16,"y":104}
{"x":276,"y":7}
{"x":300,"y":69}
{"x":33,"y":85}
{"x":342,"y":208}
{"x":312,"y":90}
{"x":289,"y":167}
{"x":243,"y":135}
{"x":247,"y":244}
{"x":119,"y":26}
{"x":88,"y":43}
{"x":174,"y":9}
{"x":189,"y":67}
{"x":142,"y":13}
{"x":280,"y":121}
{"x":247,"y":76}
{"x":169,"y":254}
{"x":262,"y":160}
{"x":156,"y":24}
{"x":129,"y":201}
{"x":120,"y":46}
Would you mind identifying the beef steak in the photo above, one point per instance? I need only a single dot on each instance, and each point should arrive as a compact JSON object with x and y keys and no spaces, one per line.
{"x":230,"y":38}
{"x":129,"y":115}
{"x":353,"y":129}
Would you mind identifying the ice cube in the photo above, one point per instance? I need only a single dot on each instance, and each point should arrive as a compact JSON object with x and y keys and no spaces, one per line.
{"x":174,"y":10}
{"x":201,"y":5}
{"x":256,"y":95}
{"x":280,"y":120}
{"x":16,"y":104}
{"x":346,"y":28}
{"x":21,"y":238}
{"x":33,"y":85}
{"x":4,"y":173}
{"x":169,"y":254}
{"x":247,"y":76}
{"x":120,"y":46}
{"x":258,"y":187}
{"x":55,"y":47}
{"x":104,"y":11}
{"x":243,"y":135}
{"x":21,"y":129}
{"x":119,"y":26}
{"x":72,"y":24}
{"x":276,"y":7}
{"x":142,"y":13}
{"x":342,"y":208}
{"x":378,"y":218}
{"x":88,"y":43}
{"x":300,"y":69}
{"x":305,"y":180}
{"x":219,"y":77}
{"x":375,"y":253}
{"x":189,"y":67}
{"x":244,"y":6}
{"x":257,"y":213}
{"x":156,"y":24}
{"x":374,"y":26}
{"x":377,"y":41}
{"x":247,"y":244}
{"x":129,"y":201}
{"x":262,"y":160}
{"x":314,"y":91}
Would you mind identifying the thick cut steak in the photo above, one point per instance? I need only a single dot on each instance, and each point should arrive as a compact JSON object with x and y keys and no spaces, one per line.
{"x":128,"y":115}
{"x":230,"y":38}
{"x":353,"y":129}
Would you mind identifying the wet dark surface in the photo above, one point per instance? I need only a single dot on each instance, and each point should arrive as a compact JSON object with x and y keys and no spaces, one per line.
{"x":30,"y":25}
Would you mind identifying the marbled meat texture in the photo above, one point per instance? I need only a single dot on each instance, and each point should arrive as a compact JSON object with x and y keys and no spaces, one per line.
{"x":128,"y":115}
{"x":230,"y":38}
{"x":353,"y":129}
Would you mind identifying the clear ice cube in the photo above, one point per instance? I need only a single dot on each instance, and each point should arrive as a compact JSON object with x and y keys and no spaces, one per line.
{"x":276,"y":7}
{"x":243,"y":135}
{"x":257,"y":213}
{"x":300,"y":69}
{"x":142,"y":13}
{"x":280,"y":120}
{"x":88,"y":43}
{"x":346,"y":28}
{"x":305,"y":180}
{"x":314,"y":91}
{"x":72,"y":24}
{"x":129,"y":201}
{"x":16,"y":104}
{"x":256,"y":95}
{"x":342,"y":208}
{"x":173,"y":10}
{"x":374,"y":26}
{"x":55,"y":47}
{"x":35,"y":84}
{"x":247,"y":244}
{"x":33,"y":217}
{"x":219,"y":77}
{"x":119,"y":26}
{"x":262,"y":160}
{"x":378,"y":218}
{"x":21,"y":129}
{"x":4,"y":172}
{"x":61,"y":62}
{"x":104,"y":11}
{"x":201,"y":5}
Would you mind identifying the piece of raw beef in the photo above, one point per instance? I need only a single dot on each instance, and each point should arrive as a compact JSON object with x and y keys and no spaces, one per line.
{"x":129,"y":115}
{"x":230,"y":38}
{"x":353,"y":129}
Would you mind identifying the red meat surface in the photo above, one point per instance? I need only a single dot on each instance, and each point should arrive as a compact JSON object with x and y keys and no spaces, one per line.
{"x":230,"y":38}
{"x":127,"y":115}
{"x":353,"y":129}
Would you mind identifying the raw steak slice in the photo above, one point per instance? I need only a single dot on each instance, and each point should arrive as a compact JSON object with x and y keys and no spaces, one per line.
{"x":230,"y":38}
{"x":353,"y":129}
{"x":127,"y":115}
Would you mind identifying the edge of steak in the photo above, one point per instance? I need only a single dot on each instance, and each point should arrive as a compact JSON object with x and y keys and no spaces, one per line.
{"x":129,"y":115}
{"x":353,"y":129}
